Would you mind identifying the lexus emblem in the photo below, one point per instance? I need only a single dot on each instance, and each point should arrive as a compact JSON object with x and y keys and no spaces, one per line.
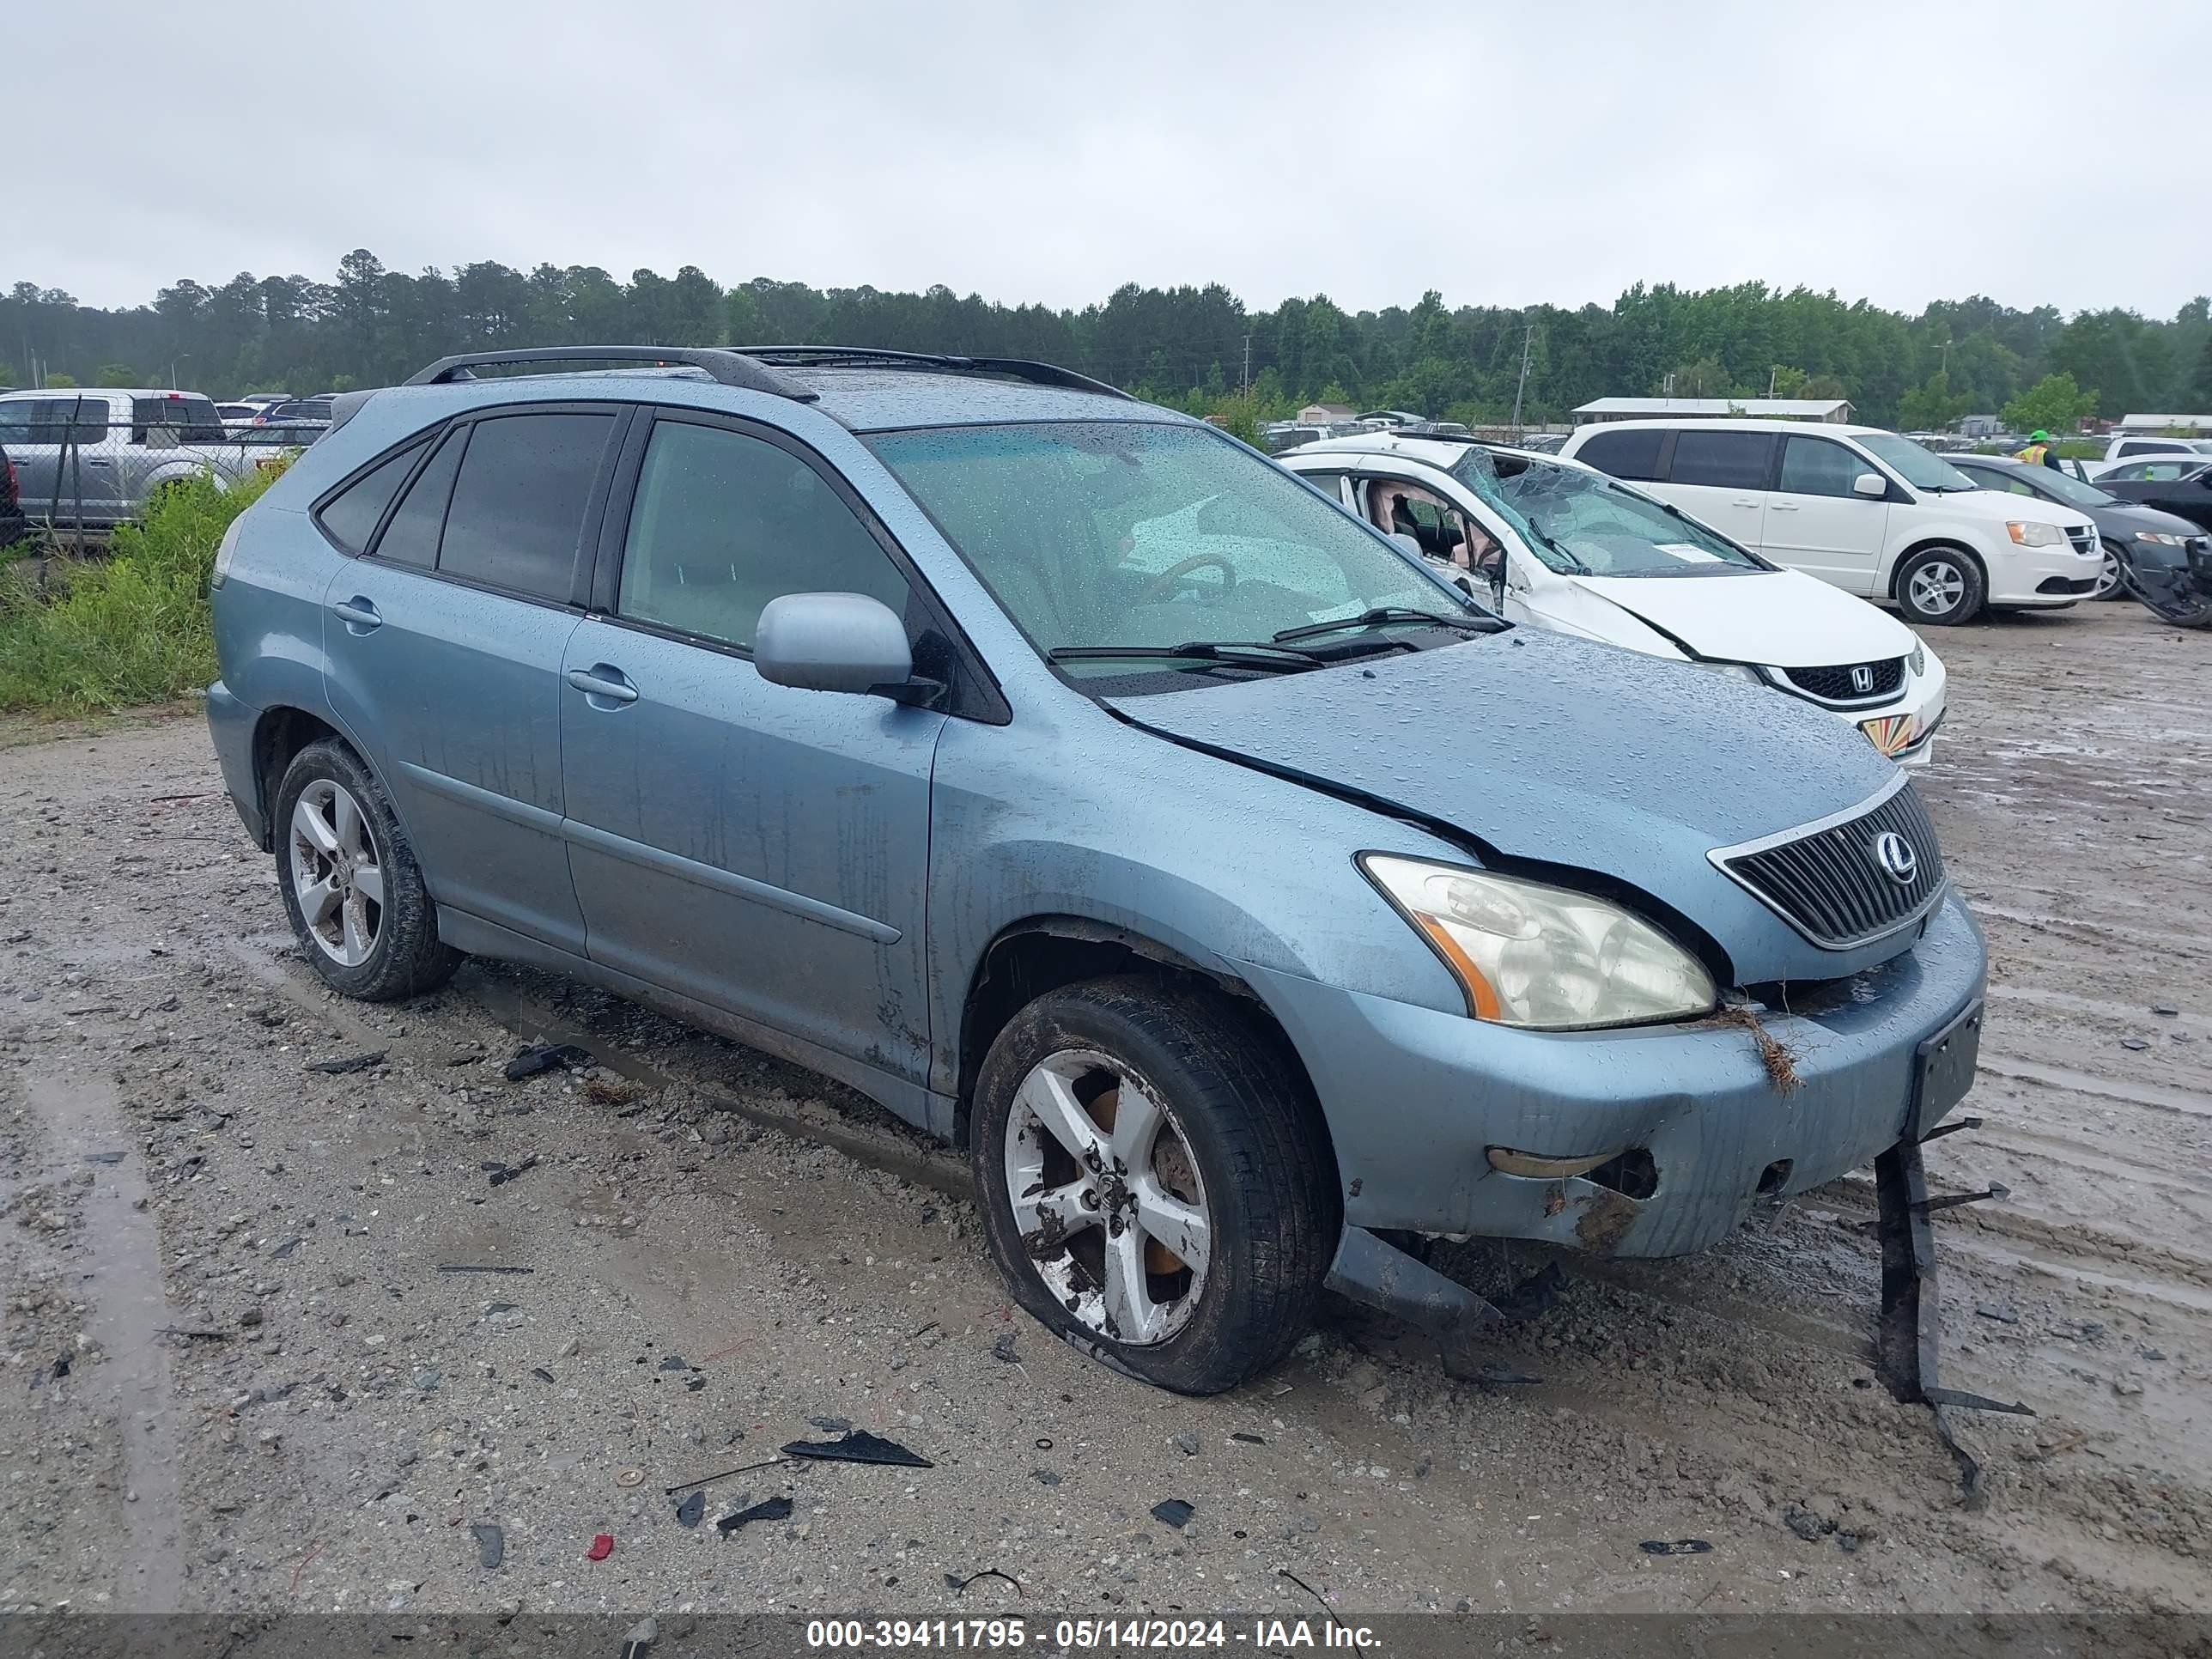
{"x":1895,"y":855}
{"x":1862,"y":682}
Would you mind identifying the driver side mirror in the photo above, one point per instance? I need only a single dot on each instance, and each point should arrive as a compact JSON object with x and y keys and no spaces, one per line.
{"x":837,"y":642}
{"x":1870,"y":484}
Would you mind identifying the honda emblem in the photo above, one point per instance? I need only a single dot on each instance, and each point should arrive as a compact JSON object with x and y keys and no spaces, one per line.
{"x":1862,"y":677}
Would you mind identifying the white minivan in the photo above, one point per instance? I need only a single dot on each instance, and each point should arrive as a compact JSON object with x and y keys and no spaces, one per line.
{"x":1561,"y":546}
{"x":1868,"y":510}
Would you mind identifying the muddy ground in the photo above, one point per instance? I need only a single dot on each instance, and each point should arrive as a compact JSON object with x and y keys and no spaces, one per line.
{"x":239,"y":1375}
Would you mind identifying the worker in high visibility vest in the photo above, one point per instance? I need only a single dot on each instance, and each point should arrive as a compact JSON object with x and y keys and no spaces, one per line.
{"x":2041,"y":451}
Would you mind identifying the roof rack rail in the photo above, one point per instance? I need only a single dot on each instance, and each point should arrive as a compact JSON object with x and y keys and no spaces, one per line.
{"x":717,"y":363}
{"x":1018,"y":368}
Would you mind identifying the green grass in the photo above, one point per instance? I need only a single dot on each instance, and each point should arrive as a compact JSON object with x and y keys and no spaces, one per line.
{"x":128,"y":628}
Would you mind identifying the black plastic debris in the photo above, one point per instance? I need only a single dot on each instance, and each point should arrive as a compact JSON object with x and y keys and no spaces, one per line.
{"x":771,"y":1509}
{"x":1679,"y":1547}
{"x":350,"y":1063}
{"x":2003,"y":1312}
{"x":546,"y":1057}
{"x":2135,"y":1043}
{"x":2165,"y":1013}
{"x":695,"y":1383}
{"x":479,"y":1268}
{"x":288,"y":1247}
{"x":1175,"y":1512}
{"x":831,"y":1425}
{"x":502,"y":1173}
{"x":1498,"y":1377}
{"x":954,"y":1582}
{"x":106,"y":1158}
{"x":541,"y":1373}
{"x":858,"y":1446}
{"x":1044,"y":1477}
{"x":1248,"y":1439}
{"x":1003,"y":1350}
{"x":673,"y":1362}
{"x":61,"y":1366}
{"x":491,"y":1544}
{"x":690,"y":1511}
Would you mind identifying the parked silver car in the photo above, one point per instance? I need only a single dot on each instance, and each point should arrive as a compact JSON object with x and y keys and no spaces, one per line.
{"x":97,"y":457}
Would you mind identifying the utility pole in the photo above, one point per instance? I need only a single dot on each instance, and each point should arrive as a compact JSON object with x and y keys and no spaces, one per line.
{"x":1527,"y":339}
{"x":1771,"y":371}
{"x":1246,"y":383}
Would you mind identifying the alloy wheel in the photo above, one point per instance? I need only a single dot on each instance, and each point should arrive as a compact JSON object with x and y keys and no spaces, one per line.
{"x":2108,"y":575}
{"x":336,"y":874}
{"x":1107,"y":1198}
{"x":1937,"y":587}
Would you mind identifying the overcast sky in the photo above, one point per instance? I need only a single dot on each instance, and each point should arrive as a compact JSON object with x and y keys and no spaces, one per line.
{"x":1547,"y":150}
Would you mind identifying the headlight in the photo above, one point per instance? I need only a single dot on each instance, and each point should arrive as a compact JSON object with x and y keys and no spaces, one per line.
{"x":223,"y":553}
{"x":1736,"y":670}
{"x":2035,"y":535}
{"x":1540,"y":957}
{"x":1918,"y":660}
{"x":2161,"y":538}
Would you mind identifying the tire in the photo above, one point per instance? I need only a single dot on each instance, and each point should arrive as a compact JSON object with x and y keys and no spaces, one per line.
{"x":1941,"y":586}
{"x":2113,"y":576}
{"x":376,"y":940}
{"x":1237,"y":1142}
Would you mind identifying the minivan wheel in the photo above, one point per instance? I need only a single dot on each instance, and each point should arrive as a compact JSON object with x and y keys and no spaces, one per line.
{"x":350,"y":883}
{"x":1154,"y":1181}
{"x":1941,"y":586}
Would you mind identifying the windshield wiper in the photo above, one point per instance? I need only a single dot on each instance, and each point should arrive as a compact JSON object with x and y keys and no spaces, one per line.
{"x":1276,"y":658}
{"x":1382,"y":615}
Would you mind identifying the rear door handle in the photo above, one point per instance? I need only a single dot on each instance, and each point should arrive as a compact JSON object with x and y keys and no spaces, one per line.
{"x":1743,"y":503}
{"x":359,"y":615}
{"x":600,"y":680}
{"x":1783,"y":507}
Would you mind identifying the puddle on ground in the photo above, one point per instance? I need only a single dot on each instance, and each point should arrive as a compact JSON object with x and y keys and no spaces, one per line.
{"x":128,"y":1312}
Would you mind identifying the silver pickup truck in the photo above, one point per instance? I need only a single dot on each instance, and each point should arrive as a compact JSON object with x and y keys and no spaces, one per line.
{"x":97,"y":457}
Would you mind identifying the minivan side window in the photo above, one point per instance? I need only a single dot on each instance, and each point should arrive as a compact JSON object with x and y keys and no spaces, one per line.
{"x":350,"y":517}
{"x":1633,"y":454}
{"x":1722,"y":460}
{"x":722,"y":523}
{"x":1816,"y":466}
{"x":518,"y":507}
{"x":412,"y":538}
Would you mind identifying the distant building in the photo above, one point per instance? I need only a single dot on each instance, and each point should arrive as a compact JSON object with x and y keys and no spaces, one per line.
{"x":2166,"y":422}
{"x":1980,"y":426}
{"x":1835,"y":410}
{"x":1324,"y":414}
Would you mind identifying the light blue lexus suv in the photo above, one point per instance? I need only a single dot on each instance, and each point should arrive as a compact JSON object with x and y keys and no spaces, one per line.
{"x":1089,"y":791}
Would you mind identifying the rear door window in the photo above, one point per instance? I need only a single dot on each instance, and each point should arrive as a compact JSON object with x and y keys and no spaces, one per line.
{"x":1722,"y":460}
{"x":350,"y":517}
{"x":1633,"y":454}
{"x":517,"y":509}
{"x":412,"y":538}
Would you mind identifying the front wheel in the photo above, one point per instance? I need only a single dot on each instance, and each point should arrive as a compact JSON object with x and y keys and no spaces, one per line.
{"x":1155,"y":1181}
{"x":1942,"y":587}
{"x":2111,"y":575}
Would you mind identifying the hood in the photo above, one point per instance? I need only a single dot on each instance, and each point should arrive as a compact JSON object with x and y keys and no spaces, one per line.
{"x":1566,"y":752}
{"x":1998,"y":506}
{"x":2123,"y":519}
{"x":1783,"y":618}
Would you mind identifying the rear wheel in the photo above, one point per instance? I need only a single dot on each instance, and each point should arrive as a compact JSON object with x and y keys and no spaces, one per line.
{"x":1154,"y":1181}
{"x":1941,"y":586}
{"x":350,"y":883}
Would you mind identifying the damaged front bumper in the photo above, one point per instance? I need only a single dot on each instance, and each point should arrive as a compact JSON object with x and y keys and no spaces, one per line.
{"x":1416,"y":1099}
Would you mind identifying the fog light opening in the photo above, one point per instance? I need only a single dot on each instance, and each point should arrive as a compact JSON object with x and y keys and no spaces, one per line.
{"x":1536,"y":1167}
{"x":1774,"y":1178}
{"x":1631,"y":1173}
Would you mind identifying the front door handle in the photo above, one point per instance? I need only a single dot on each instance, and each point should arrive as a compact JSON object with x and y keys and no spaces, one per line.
{"x":1754,"y":503}
{"x":1783,"y":507}
{"x":359,"y":615}
{"x":600,"y":681}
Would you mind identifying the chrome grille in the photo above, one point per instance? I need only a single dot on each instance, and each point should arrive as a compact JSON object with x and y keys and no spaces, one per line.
{"x":1833,"y":684}
{"x":2083,"y":536}
{"x":1826,"y":880}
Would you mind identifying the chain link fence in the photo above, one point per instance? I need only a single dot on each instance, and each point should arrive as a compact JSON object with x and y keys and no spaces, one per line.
{"x":82,"y":462}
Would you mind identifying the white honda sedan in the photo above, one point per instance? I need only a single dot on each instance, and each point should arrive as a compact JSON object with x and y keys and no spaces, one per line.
{"x":1559,"y":545}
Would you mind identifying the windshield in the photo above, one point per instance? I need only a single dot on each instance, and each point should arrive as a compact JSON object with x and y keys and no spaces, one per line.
{"x":2071,"y":491}
{"x":1095,"y":534}
{"x":1584,"y":523}
{"x":1916,"y":465}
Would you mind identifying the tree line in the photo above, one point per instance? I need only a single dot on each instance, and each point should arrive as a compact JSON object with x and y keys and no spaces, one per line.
{"x":1200,"y":348}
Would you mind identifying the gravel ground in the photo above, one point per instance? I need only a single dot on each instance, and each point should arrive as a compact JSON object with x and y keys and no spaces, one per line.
{"x":242,"y":1375}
